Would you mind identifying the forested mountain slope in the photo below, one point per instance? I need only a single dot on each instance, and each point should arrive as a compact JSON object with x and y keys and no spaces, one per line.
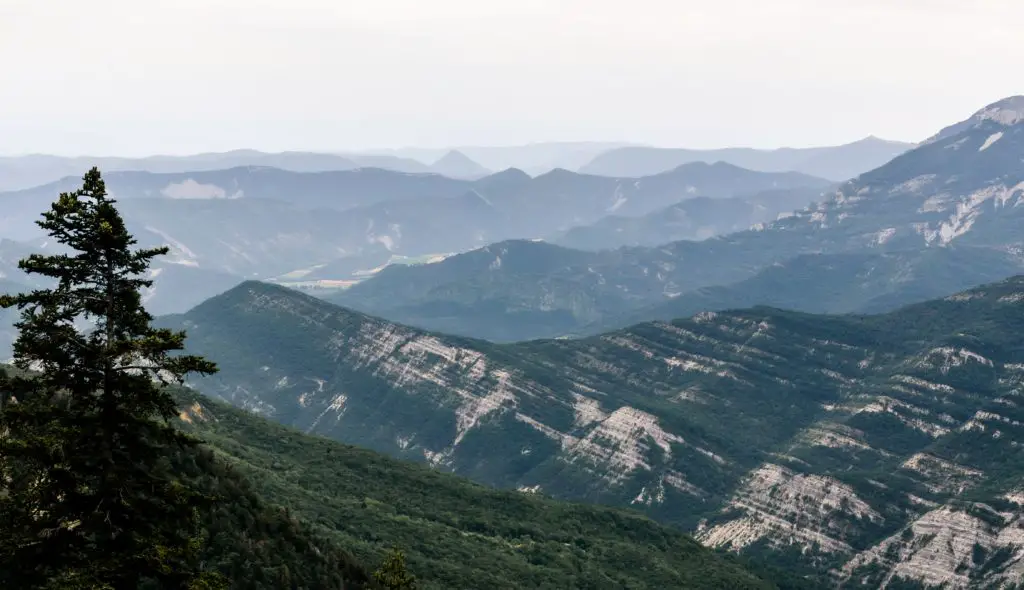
{"x":456,"y":534}
{"x":755,"y":428}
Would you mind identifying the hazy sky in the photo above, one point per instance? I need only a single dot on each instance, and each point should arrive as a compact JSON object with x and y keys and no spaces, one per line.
{"x":133,"y":77}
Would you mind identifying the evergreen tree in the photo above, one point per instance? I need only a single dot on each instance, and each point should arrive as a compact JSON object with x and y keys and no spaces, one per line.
{"x":392,"y":573}
{"x":89,"y":498}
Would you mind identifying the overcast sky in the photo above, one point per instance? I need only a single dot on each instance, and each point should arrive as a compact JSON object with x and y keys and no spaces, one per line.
{"x":134,"y":77}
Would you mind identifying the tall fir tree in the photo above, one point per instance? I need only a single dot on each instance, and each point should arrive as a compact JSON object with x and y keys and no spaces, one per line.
{"x":89,"y":498}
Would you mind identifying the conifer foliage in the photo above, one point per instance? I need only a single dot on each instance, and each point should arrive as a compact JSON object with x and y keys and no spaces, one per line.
{"x":392,"y":573}
{"x":88,"y":498}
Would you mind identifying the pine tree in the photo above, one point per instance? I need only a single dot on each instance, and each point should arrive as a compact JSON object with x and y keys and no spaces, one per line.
{"x":90,"y":499}
{"x":392,"y":573}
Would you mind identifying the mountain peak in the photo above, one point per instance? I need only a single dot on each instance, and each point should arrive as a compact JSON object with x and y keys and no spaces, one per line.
{"x":700,"y":166}
{"x":502,"y":183}
{"x":454,"y":157}
{"x":457,"y":164}
{"x":879,"y":141}
{"x":559,"y":173}
{"x":1008,"y":111}
{"x":508,"y":175}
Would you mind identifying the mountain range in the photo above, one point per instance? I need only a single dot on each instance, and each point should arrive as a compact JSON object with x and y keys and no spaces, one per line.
{"x":964,"y":187}
{"x":567,"y":197}
{"x":533,"y":158}
{"x":601,"y":158}
{"x":257,"y":222}
{"x":861,"y":447}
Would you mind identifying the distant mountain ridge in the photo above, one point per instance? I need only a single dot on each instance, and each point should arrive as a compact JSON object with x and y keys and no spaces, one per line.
{"x":601,"y":158}
{"x":236,"y":220}
{"x":338,"y":190}
{"x":835,"y":163}
{"x":28,"y":171}
{"x":696,"y":218}
{"x":562,"y":199}
{"x":534,"y":158}
{"x":22,"y":172}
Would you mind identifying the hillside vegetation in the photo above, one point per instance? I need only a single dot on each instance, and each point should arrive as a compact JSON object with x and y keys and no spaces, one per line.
{"x":457,"y":534}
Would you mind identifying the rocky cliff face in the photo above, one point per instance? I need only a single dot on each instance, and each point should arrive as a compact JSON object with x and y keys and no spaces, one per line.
{"x":757,"y":430}
{"x":949,"y":547}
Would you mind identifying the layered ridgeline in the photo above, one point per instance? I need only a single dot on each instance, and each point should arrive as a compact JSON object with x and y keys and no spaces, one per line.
{"x":534,"y":158}
{"x":833,"y":162}
{"x":21,"y":172}
{"x":566,"y":197}
{"x":963,"y":188}
{"x":329,"y":229}
{"x":299,"y":191}
{"x":872,"y":447}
